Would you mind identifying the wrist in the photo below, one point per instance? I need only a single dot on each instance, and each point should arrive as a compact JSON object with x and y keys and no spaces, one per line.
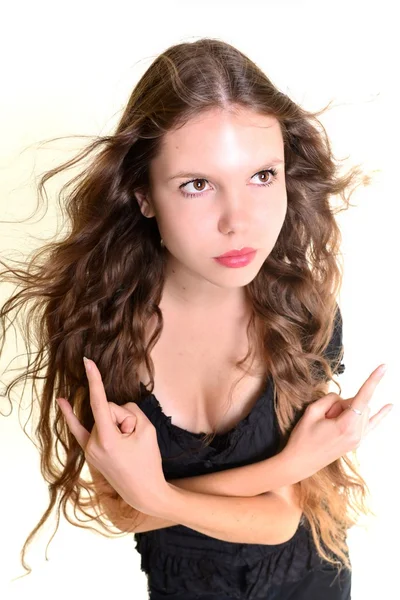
{"x":168,"y":503}
{"x":290,"y":468}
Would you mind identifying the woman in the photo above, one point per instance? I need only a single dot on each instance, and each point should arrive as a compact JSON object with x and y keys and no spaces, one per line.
{"x":232,"y":487}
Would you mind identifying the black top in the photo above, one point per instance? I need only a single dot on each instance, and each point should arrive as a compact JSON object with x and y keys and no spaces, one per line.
{"x":179,"y":559}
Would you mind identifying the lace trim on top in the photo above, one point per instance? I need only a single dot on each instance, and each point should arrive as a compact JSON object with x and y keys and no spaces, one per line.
{"x":179,"y":432}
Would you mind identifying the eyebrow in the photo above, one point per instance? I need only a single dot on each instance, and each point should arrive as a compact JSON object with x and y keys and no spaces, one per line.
{"x":270,"y":163}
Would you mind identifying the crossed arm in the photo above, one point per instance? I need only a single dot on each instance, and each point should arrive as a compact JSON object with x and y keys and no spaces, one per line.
{"x":235,"y":505}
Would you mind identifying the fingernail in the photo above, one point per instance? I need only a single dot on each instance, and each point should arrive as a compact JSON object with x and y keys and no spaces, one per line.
{"x":382,"y":369}
{"x":87,"y":364}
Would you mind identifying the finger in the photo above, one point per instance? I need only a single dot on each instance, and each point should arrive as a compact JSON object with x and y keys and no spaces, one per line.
{"x":381,"y":414}
{"x":119,"y":413}
{"x":367,"y":389}
{"x":336,"y":409}
{"x":128,"y":424}
{"x":321,"y":406}
{"x":131,"y":409}
{"x":125,"y":420}
{"x":80,"y":433}
{"x":98,"y":402}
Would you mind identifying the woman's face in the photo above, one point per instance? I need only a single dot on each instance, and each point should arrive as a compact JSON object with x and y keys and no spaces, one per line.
{"x":222,"y":159}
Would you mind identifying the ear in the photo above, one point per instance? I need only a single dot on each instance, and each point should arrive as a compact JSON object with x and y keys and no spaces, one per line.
{"x":143,"y":199}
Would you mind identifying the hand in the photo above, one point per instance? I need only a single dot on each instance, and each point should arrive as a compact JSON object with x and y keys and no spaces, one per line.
{"x":122,"y":446}
{"x":327,"y":430}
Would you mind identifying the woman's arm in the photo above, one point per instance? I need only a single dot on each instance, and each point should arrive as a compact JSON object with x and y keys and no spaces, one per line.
{"x":249,"y":480}
{"x":238,"y":481}
{"x":265,"y":519}
{"x":123,"y":516}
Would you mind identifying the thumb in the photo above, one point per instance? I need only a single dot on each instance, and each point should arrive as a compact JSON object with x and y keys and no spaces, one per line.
{"x":128,"y":424}
{"x":321,"y":406}
{"x":335,"y":410}
{"x":120,"y":414}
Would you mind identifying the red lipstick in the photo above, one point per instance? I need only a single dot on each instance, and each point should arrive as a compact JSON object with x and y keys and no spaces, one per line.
{"x":237,"y":252}
{"x":236,"y":258}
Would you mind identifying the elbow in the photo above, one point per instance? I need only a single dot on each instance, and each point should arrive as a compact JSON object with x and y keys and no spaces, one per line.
{"x":292,"y":524}
{"x":111,"y":506}
{"x":123,"y":516}
{"x":287,"y":518}
{"x":288,"y":532}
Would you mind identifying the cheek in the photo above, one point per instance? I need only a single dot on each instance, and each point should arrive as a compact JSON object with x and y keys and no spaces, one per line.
{"x":185,"y":231}
{"x":194,"y":226}
{"x":274,"y":214}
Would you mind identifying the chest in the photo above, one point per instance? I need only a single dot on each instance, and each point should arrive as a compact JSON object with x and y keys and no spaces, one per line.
{"x":196,"y":382}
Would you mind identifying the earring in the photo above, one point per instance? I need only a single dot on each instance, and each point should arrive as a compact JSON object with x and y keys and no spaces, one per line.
{"x":162,"y":243}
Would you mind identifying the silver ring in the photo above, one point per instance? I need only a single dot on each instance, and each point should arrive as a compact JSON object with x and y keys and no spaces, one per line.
{"x":358,"y":412}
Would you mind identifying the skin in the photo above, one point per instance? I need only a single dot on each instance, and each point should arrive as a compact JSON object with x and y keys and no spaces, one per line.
{"x":123,"y":447}
{"x":232,"y":208}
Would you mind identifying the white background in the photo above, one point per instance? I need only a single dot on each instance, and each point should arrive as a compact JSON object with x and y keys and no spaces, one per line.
{"x":69,"y":68}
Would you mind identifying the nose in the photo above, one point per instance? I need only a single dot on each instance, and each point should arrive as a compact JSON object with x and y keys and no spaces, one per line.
{"x":235,"y":212}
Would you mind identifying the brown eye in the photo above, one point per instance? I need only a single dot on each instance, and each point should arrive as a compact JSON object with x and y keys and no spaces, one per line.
{"x":198,"y":185}
{"x":263,"y":174}
{"x":270,"y":180}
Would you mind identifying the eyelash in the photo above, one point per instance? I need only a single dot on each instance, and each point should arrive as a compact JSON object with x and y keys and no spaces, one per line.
{"x":188,"y":195}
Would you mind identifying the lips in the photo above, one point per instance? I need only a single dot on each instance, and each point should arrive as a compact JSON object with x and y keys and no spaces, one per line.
{"x":241,"y":252}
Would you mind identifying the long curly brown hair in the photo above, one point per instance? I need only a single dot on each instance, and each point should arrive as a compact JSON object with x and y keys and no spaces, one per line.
{"x":93,"y":291}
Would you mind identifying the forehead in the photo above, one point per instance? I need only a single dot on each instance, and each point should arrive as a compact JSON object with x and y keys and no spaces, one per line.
{"x":220,"y":135}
